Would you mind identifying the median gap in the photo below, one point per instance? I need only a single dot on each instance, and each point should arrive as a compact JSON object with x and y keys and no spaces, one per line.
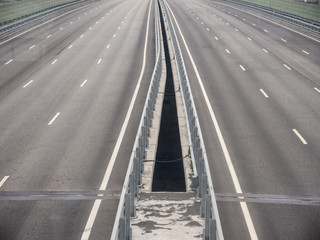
{"x":168,"y":173}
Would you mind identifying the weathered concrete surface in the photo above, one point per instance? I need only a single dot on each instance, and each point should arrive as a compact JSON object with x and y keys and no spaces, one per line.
{"x":167,"y":216}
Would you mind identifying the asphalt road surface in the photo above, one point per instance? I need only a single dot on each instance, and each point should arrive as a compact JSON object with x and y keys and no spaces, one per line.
{"x":65,"y":92}
{"x":262,"y":82}
{"x":67,"y":103}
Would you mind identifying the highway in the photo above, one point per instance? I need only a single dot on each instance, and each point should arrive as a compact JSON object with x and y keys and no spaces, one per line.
{"x":67,"y":102}
{"x":71,"y":97}
{"x":261,"y":81}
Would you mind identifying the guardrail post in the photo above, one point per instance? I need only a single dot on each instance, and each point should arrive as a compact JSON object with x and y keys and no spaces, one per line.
{"x":132,"y":195}
{"x":122,"y":228}
{"x":138,"y":155}
{"x":137,"y":174}
{"x":203,"y":192}
{"x":127,"y":216}
{"x":200,"y":173}
{"x":212,"y":229}
{"x":207,"y":216}
{"x":142,"y":153}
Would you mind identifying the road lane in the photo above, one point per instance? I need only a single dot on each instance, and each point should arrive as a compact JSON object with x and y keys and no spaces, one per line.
{"x":72,"y":152}
{"x":267,"y":155}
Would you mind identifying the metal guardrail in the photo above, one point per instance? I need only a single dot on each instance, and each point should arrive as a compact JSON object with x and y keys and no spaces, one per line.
{"x":126,"y":208}
{"x":209,"y":209}
{"x":296,"y":20}
{"x":17,"y":24}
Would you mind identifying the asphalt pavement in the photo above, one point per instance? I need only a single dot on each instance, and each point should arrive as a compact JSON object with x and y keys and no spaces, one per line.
{"x":65,"y":91}
{"x":262,"y":81}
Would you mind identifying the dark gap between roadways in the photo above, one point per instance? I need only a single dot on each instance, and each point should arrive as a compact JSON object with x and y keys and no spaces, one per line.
{"x":168,"y":174}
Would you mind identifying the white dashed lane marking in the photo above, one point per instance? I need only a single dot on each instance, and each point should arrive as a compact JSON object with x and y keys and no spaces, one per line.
{"x":54,"y":118}
{"x":84,"y":82}
{"x":263,"y":92}
{"x":9,"y":62}
{"x":243,"y":69}
{"x":299,"y":136}
{"x":305,"y":52}
{"x":286,"y":66}
{"x":3,"y":181}
{"x":26,"y":85}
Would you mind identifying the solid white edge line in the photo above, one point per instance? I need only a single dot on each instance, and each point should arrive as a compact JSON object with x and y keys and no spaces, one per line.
{"x":233,"y":174}
{"x":299,"y":136}
{"x":263,"y":92}
{"x":84,"y":82}
{"x":28,"y":83}
{"x":316,"y":89}
{"x":54,"y":118}
{"x":95,"y":208}
{"x":3,"y":181}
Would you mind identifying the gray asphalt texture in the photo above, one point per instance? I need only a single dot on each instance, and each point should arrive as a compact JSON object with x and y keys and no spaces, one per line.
{"x":73,"y":152}
{"x":267,"y":155}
